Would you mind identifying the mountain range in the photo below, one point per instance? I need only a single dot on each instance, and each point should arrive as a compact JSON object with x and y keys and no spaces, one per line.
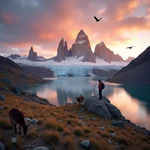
{"x":80,"y":49}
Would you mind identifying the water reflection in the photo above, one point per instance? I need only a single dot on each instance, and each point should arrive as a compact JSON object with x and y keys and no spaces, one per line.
{"x":132,"y":101}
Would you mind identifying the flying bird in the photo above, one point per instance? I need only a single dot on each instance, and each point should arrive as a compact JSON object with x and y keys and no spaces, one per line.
{"x":97,"y":20}
{"x":130,"y":47}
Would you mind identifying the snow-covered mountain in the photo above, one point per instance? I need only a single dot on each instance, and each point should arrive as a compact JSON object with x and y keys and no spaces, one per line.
{"x":82,"y":48}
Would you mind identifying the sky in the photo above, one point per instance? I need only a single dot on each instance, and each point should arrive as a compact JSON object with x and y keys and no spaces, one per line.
{"x":43,"y":23}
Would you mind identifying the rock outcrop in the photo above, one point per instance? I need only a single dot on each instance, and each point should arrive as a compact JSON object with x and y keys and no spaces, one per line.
{"x":136,"y":72}
{"x":32,"y":55}
{"x":101,"y":51}
{"x":62,"y":51}
{"x":102,"y":107}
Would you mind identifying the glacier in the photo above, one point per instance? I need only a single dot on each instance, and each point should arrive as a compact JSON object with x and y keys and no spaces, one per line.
{"x":72,"y":65}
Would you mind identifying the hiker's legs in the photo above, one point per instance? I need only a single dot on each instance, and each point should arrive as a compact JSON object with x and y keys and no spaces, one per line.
{"x":100,"y":94}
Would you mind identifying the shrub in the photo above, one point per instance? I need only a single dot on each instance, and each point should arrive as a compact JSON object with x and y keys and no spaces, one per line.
{"x":69,"y":144}
{"x":51,"y":137}
{"x":86,"y":130}
{"x":5,"y":124}
{"x":122,"y":140}
{"x":78,"y":131}
{"x":32,"y":135}
{"x":67,"y":132}
{"x":53,"y":124}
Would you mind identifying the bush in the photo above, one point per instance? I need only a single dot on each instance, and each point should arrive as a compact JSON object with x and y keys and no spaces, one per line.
{"x":32,"y":135}
{"x":51,"y":137}
{"x":5,"y":124}
{"x":69,"y":144}
{"x":78,"y":131}
{"x":53,"y":124}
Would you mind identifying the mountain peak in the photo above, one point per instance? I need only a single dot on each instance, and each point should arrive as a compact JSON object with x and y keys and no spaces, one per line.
{"x":32,"y":55}
{"x":102,"y":44}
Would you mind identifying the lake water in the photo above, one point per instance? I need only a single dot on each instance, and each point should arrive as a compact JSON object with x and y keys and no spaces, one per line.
{"x":133,"y":101}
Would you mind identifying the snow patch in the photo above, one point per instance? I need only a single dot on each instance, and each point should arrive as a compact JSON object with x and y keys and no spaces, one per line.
{"x":82,"y":36}
{"x":80,"y":42}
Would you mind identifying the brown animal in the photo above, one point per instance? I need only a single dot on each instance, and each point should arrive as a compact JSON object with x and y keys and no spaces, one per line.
{"x":80,"y":100}
{"x":17,"y":117}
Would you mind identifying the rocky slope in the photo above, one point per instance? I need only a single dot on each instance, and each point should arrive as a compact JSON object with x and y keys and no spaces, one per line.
{"x":136,"y":72}
{"x":9,"y":69}
{"x":41,"y":72}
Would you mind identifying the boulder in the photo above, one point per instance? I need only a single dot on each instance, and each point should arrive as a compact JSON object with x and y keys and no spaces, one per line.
{"x":114,"y":111}
{"x":2,"y":146}
{"x":18,"y":90}
{"x":119,"y":123}
{"x":2,"y":97}
{"x":7,"y":81}
{"x":41,"y":148}
{"x":85,"y":143}
{"x":102,"y":107}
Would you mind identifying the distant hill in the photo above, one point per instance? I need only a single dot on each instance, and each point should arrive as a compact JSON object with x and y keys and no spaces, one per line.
{"x":137,"y":71}
{"x":9,"y":69}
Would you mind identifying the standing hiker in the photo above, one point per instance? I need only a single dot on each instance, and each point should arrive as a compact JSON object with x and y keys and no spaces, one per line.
{"x":101,"y":86}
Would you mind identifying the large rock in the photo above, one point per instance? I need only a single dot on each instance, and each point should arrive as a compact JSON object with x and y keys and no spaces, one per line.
{"x":119,"y":123}
{"x":102,"y":108}
{"x":41,"y":148}
{"x":2,"y":146}
{"x":2,"y":98}
{"x":7,"y":81}
{"x":85,"y":143}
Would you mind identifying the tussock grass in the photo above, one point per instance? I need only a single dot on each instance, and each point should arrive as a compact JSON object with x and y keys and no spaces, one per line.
{"x":69,"y":144}
{"x":122,"y":140}
{"x":20,"y":143}
{"x":97,"y":144}
{"x":67,"y":132}
{"x":5,"y":124}
{"x":51,"y":137}
{"x":32,"y":135}
{"x":86,"y":129}
{"x":78,"y":131}
{"x":73,"y":121}
{"x":53,"y":124}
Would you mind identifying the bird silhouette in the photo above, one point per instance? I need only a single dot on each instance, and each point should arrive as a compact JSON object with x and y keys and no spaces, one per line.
{"x":97,"y":20}
{"x":130,"y":47}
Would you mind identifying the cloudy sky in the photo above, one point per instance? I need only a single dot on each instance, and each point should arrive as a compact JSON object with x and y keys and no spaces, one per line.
{"x":42,"y":23}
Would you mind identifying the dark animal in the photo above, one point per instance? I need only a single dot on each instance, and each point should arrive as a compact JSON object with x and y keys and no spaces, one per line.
{"x":17,"y":117}
{"x":80,"y":100}
{"x":97,"y":20}
{"x":130,"y":47}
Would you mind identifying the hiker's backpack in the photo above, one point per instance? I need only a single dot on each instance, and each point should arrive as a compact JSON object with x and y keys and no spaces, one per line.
{"x":103,"y":85}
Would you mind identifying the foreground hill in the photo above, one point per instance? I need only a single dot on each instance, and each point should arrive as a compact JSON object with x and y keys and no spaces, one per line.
{"x":9,"y":69}
{"x":136,"y":72}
